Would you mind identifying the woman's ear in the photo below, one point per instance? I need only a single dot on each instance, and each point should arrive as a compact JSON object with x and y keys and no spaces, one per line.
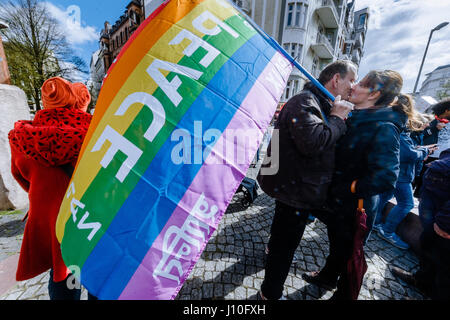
{"x":374,"y":95}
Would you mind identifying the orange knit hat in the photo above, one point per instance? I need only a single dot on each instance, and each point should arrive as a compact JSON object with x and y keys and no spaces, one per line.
{"x":82,"y":95}
{"x":57,"y":92}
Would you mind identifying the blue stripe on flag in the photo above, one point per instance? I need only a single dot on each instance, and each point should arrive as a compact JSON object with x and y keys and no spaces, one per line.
{"x":140,"y":220}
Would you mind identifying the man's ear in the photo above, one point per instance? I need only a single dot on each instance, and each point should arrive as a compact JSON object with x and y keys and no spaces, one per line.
{"x":335,"y":80}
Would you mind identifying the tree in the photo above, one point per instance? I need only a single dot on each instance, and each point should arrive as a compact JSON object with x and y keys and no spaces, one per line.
{"x":35,"y":47}
{"x":444,"y":92}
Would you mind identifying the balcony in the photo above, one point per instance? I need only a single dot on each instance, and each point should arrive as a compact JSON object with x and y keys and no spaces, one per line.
{"x":344,"y":56}
{"x":244,"y":5}
{"x":358,"y":40}
{"x":356,"y":56}
{"x":328,"y":14}
{"x":322,"y":47}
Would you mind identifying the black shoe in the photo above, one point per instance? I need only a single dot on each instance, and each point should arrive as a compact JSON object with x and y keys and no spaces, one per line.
{"x":315,"y":278}
{"x":260,"y":297}
{"x":411,"y":279}
{"x":406,"y":276}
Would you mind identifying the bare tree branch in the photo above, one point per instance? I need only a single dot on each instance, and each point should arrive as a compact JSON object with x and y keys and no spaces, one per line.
{"x":35,"y":47}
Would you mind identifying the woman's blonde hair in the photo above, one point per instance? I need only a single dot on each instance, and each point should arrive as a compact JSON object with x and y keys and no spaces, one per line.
{"x":405,"y":103}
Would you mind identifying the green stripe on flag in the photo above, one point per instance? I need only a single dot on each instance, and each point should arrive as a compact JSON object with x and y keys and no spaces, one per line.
{"x":105,"y":195}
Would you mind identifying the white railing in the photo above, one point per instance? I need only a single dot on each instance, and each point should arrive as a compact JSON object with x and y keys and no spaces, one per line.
{"x":324,"y":40}
{"x":330,"y":3}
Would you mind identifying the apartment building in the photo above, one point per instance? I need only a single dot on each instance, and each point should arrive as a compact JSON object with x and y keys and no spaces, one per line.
{"x":314,"y":32}
{"x":113,"y":37}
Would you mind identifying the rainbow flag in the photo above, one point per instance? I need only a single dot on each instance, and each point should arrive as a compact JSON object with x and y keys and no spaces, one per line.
{"x":162,"y":158}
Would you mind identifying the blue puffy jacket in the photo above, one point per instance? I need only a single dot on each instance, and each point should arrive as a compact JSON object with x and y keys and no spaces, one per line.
{"x":369,"y":153}
{"x":409,"y":156}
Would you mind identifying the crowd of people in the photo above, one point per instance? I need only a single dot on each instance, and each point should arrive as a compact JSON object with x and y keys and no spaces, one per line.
{"x":365,"y":147}
{"x":330,"y":161}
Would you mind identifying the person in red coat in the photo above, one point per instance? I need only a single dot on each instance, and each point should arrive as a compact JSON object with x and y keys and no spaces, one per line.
{"x":44,"y":152}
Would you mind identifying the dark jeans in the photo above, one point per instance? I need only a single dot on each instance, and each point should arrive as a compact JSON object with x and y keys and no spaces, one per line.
{"x":60,"y":291}
{"x":433,"y":275}
{"x":286,"y":233}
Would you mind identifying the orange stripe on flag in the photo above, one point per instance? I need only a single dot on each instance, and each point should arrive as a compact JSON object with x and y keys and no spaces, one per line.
{"x":135,"y":50}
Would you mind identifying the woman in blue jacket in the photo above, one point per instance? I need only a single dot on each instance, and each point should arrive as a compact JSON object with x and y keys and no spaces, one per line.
{"x":367,"y":164}
{"x":410,"y":154}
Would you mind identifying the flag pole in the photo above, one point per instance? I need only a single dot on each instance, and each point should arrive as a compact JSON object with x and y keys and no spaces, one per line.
{"x":276,"y":45}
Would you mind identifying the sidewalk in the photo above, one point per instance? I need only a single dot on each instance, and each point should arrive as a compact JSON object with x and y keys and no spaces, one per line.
{"x":232,"y":265}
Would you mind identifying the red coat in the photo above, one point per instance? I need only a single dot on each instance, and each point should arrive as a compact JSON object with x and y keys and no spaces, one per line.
{"x":38,"y":149}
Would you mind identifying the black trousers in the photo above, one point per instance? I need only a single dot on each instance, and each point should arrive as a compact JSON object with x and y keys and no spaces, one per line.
{"x":60,"y":290}
{"x":433,"y":275}
{"x":286,"y":232}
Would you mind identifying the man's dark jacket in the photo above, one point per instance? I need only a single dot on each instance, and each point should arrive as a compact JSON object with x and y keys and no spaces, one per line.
{"x":307,"y":140}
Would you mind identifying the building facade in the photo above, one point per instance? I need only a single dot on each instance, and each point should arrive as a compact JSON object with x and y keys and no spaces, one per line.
{"x":4,"y":71}
{"x":113,"y":37}
{"x":314,"y":32}
{"x":437,"y":83}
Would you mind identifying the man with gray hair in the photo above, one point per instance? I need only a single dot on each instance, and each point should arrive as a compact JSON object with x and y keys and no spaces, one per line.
{"x":308,"y":127}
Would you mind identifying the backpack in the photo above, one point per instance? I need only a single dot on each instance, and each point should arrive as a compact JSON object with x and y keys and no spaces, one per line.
{"x":249,"y":187}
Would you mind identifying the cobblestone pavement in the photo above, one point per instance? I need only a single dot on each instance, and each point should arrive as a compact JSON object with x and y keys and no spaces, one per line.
{"x":232,"y":265}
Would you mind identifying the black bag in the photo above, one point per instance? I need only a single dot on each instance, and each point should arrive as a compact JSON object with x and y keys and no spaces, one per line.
{"x":249,"y":187}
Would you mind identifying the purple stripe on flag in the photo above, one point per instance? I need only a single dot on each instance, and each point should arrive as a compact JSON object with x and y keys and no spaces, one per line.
{"x":177,"y":248}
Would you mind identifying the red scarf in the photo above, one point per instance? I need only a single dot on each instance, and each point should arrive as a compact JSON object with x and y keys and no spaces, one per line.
{"x":54,"y":137}
{"x":443,"y":120}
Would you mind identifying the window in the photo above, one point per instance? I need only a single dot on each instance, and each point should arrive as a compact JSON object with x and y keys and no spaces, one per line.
{"x":314,"y":66}
{"x":288,"y":88}
{"x":290,"y":12}
{"x":329,"y":37}
{"x":295,"y":87}
{"x":362,"y":20}
{"x":347,"y":48}
{"x":305,"y":15}
{"x":297,"y":14}
{"x":294,"y":49}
